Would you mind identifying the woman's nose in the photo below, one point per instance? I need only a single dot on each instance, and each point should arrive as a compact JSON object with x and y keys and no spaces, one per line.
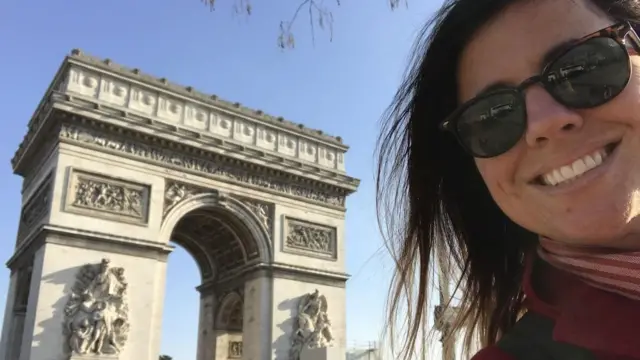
{"x":547,"y":119}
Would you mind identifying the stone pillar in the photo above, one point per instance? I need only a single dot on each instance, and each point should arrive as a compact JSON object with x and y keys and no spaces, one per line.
{"x":20,"y":303}
{"x":257,"y":324}
{"x":206,"y":330}
{"x":7,"y":327}
{"x":58,"y":270}
{"x":31,"y":317}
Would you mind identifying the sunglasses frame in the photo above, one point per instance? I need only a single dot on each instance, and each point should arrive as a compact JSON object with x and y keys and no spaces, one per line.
{"x":618,"y":32}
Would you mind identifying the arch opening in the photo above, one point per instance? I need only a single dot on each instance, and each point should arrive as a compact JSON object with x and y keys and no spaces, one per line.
{"x":224,"y":240}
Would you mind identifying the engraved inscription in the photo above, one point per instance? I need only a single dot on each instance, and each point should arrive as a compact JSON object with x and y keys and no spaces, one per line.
{"x":101,"y":196}
{"x":167,"y":157}
{"x":310,"y":239}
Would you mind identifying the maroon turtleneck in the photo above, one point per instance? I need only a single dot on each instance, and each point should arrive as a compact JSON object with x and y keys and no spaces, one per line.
{"x":605,"y":323}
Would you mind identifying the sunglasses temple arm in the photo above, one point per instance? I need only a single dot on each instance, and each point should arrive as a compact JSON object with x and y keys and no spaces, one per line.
{"x":635,"y":39}
{"x":446,"y":123}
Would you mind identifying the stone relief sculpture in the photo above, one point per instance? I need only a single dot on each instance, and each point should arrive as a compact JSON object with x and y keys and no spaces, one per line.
{"x":94,"y":194}
{"x":235,"y":349}
{"x":216,"y":166}
{"x":312,"y":327}
{"x":176,"y":192}
{"x":96,"y":314}
{"x":310,"y":238}
{"x":261,"y":210}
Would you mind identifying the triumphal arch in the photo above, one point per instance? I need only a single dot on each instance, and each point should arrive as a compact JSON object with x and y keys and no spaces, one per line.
{"x":116,"y":165}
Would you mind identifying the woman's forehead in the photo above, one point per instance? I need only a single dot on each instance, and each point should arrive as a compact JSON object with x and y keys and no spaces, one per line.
{"x":511,"y":47}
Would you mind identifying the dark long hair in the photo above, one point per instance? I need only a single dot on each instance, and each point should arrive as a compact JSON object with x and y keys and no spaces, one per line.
{"x":430,"y":194}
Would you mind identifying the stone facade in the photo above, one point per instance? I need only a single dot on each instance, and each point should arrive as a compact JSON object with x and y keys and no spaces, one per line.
{"x":116,"y":164}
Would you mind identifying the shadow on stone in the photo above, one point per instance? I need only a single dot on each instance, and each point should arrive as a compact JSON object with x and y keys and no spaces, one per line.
{"x":49,"y":334}
{"x":282,"y":344}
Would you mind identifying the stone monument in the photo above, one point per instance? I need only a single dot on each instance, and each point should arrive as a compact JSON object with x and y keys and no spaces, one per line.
{"x":312,"y":329}
{"x":97,"y":314}
{"x":117,"y":165}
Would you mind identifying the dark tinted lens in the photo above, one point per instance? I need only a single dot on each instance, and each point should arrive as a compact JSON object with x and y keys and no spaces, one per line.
{"x":590,"y":74}
{"x":493,"y":124}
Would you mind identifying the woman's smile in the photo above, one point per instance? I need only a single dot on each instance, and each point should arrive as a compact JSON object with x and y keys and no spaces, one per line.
{"x":582,"y":172}
{"x":515,"y":136}
{"x":565,"y":174}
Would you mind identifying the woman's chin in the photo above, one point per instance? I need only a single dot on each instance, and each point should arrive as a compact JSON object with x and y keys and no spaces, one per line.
{"x":610,"y":231}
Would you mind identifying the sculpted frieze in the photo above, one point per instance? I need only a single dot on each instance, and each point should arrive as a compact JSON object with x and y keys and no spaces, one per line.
{"x":96,"y":315}
{"x":176,"y":192}
{"x":312,"y":327}
{"x":35,"y":209}
{"x":101,"y":196}
{"x":310,"y":239}
{"x":235,"y":349}
{"x":263,"y":211}
{"x":196,"y":164}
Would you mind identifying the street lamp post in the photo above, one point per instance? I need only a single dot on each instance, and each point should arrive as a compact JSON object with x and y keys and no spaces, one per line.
{"x":445,"y":313}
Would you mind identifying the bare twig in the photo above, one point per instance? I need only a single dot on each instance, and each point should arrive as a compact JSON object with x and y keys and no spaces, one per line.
{"x":317,"y":12}
{"x":316,"y":9}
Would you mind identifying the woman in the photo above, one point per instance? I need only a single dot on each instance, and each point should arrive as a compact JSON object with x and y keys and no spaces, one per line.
{"x":513,"y":147}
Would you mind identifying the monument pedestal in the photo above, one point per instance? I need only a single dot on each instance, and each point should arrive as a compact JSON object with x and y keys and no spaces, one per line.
{"x":94,"y":357}
{"x":326,"y":353}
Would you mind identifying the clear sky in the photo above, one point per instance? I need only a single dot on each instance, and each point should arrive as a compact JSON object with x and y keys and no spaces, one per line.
{"x":341,"y":87}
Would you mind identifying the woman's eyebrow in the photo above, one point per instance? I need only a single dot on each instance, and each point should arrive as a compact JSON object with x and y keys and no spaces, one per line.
{"x":556,"y":51}
{"x":548,"y":56}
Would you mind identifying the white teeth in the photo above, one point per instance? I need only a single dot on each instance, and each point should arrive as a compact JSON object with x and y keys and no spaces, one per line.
{"x":576,"y":169}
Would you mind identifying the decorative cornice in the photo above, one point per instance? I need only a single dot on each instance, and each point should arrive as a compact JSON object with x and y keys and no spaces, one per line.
{"x":277,"y":270}
{"x":77,"y":57}
{"x":60,"y":107}
{"x":89,"y":240}
{"x":114,"y":92}
{"x":122,"y":142}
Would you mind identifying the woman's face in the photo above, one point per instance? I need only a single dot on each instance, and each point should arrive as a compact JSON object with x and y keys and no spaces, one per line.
{"x":601,"y":206}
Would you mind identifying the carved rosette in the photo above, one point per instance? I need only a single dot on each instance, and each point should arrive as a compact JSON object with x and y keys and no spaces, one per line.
{"x":306,"y":238}
{"x":97,"y":315}
{"x":312,"y":327}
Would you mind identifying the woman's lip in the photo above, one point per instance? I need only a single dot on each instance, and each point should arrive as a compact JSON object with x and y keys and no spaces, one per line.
{"x":582,"y":180}
{"x":537,"y":180}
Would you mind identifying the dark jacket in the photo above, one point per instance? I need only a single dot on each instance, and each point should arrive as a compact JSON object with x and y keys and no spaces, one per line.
{"x":569,"y":320}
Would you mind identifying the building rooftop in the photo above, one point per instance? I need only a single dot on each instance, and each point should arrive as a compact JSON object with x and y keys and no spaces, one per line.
{"x":212,"y":99}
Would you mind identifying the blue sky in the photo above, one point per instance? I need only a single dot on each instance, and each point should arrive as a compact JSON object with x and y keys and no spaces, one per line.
{"x":341,"y":87}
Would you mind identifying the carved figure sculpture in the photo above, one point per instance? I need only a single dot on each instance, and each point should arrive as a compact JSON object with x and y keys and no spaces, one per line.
{"x":96,"y":314}
{"x":312,"y":328}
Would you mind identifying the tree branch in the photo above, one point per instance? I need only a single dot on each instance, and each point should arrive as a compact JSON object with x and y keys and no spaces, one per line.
{"x":316,"y":9}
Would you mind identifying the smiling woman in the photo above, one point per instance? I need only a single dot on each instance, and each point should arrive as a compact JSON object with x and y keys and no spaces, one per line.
{"x":512,"y":146}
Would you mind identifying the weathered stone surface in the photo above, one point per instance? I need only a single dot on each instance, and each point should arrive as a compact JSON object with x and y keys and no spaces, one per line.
{"x":116,"y":165}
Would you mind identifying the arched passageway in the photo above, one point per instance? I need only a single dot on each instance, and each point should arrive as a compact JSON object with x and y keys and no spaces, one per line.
{"x":221,"y":238}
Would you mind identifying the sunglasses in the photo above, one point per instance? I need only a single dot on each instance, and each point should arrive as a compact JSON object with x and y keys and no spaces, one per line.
{"x":587,"y":73}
